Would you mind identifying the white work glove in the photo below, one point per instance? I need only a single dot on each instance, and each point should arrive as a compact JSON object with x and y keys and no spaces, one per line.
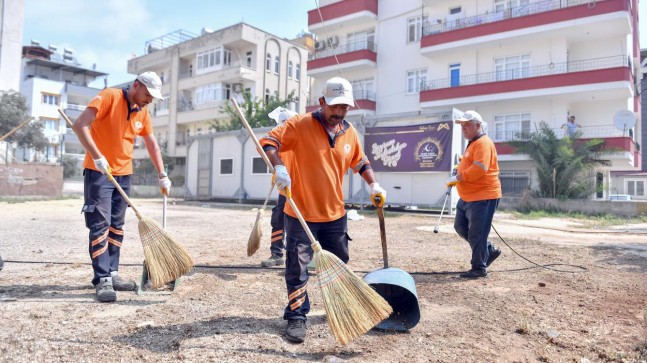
{"x":102,"y":165}
{"x":165,"y":185}
{"x":452,"y":181}
{"x":378,"y":195}
{"x":281,"y":177}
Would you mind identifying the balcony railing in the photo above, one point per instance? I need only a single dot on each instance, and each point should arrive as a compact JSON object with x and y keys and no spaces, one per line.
{"x":521,"y":73}
{"x":444,"y":25}
{"x":72,"y":106}
{"x":364,"y":95}
{"x":343,"y":49}
{"x":184,"y":75}
{"x":585,"y":132}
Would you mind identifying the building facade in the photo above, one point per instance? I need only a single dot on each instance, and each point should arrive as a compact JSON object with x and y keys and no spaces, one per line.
{"x":11,"y":29}
{"x":53,"y":78}
{"x":200,"y":73}
{"x":516,"y":62}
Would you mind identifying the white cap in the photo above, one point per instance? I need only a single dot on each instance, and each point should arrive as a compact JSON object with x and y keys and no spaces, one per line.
{"x":281,"y":114}
{"x":153,"y":84}
{"x":469,"y":116}
{"x":338,"y":91}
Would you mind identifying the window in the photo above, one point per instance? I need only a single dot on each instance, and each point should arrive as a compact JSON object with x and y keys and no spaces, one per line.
{"x":511,"y":127}
{"x":290,"y":66}
{"x":360,"y":40}
{"x":363,"y":89}
{"x":513,"y":67}
{"x":52,"y":125}
{"x":226,"y":166}
{"x":514,"y":182}
{"x":51,"y":151}
{"x":212,"y":92}
{"x":226,"y":57}
{"x":268,"y":62}
{"x":416,"y":79}
{"x":51,"y":99}
{"x":249,"y":59}
{"x":636,"y":188}
{"x":298,"y":72}
{"x":259,"y":166}
{"x":414,"y":28}
{"x":277,"y":62}
{"x":207,"y":60}
{"x":456,"y":10}
{"x":267,"y":95}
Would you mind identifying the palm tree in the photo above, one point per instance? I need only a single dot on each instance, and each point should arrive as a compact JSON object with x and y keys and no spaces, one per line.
{"x":564,"y":166}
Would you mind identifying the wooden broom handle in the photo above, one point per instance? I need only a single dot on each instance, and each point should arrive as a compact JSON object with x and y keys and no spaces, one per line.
{"x":109,"y":176}
{"x":315,"y":245}
{"x":380,"y":217}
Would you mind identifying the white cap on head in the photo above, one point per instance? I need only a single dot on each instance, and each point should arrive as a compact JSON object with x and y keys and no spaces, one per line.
{"x":338,"y":91}
{"x":153,"y":84}
{"x":281,"y":114}
{"x":469,"y":116}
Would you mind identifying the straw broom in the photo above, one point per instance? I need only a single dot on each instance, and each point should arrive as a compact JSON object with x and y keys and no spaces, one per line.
{"x":254,"y":241}
{"x":166,"y":260}
{"x":352,"y":306}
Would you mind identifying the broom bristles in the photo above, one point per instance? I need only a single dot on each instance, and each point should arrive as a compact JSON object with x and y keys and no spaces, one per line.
{"x":166,"y":260}
{"x":254,"y":241}
{"x":352,"y":306}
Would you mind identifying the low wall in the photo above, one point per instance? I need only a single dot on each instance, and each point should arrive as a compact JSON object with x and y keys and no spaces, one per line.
{"x":31,"y":179}
{"x":631,"y":208}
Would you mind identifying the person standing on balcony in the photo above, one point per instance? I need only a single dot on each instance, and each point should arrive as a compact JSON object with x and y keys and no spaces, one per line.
{"x":279,"y":115}
{"x":479,"y":189}
{"x":571,"y":126}
{"x":322,"y":146}
{"x":107,"y":129}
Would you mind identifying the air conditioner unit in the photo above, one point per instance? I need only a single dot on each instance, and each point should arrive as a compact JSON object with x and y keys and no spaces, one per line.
{"x":320,"y":45}
{"x":333,"y":41}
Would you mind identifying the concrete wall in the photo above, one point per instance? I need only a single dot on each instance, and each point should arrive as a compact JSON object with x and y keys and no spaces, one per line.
{"x":31,"y":179}
{"x":589,"y":207}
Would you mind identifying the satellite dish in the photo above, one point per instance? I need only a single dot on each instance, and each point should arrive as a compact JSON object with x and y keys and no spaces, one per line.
{"x":624,"y":120}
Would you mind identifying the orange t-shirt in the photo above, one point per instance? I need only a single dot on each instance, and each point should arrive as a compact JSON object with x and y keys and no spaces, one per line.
{"x":317,"y":166}
{"x":479,"y":169}
{"x":114,"y":129}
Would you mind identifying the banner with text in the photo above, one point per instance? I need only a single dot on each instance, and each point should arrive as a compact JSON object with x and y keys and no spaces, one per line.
{"x":410,"y":148}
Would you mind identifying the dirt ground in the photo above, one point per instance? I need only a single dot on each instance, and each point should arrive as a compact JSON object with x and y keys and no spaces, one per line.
{"x":229,"y":309}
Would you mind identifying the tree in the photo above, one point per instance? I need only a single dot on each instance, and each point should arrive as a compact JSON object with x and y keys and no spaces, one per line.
{"x":564,"y":166}
{"x":255,"y":112}
{"x":145,"y":172}
{"x":13,"y":110}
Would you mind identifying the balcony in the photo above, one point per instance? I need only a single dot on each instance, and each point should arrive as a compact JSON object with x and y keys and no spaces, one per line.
{"x":79,"y":91}
{"x":189,"y":113}
{"x":364,"y":101}
{"x":236,"y":73}
{"x":359,"y":56}
{"x":347,"y":13}
{"x":546,"y":80}
{"x":622,"y":152}
{"x":574,"y":19}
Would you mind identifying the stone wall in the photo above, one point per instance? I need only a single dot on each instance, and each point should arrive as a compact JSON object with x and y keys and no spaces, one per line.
{"x":31,"y":179}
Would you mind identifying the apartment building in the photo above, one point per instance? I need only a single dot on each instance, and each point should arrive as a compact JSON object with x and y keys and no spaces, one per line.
{"x":517,"y":62}
{"x":11,"y":29}
{"x":52,"y":78}
{"x":200,"y":73}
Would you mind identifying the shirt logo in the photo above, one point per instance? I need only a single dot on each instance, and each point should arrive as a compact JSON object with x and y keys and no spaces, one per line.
{"x":346,"y":148}
{"x":138,"y":126}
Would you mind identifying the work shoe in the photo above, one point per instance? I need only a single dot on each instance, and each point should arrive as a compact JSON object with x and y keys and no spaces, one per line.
{"x":496,"y":252}
{"x":296,"y":330}
{"x":274,"y":260}
{"x":105,"y":292}
{"x":473,"y":274}
{"x":120,"y":284}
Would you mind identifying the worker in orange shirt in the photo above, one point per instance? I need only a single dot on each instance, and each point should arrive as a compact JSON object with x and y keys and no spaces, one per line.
{"x":479,"y":189}
{"x":107,"y":129}
{"x":322,"y":146}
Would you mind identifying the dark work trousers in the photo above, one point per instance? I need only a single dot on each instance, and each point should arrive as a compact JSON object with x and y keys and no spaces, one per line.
{"x":105,"y":211}
{"x":276,"y":245}
{"x":473,"y":222}
{"x":333,"y":237}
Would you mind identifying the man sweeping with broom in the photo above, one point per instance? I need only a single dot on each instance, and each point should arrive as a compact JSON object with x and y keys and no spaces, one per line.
{"x":323,"y":147}
{"x":107,"y":129}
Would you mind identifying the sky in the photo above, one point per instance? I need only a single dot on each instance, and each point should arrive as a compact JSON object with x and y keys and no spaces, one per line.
{"x":108,"y":32}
